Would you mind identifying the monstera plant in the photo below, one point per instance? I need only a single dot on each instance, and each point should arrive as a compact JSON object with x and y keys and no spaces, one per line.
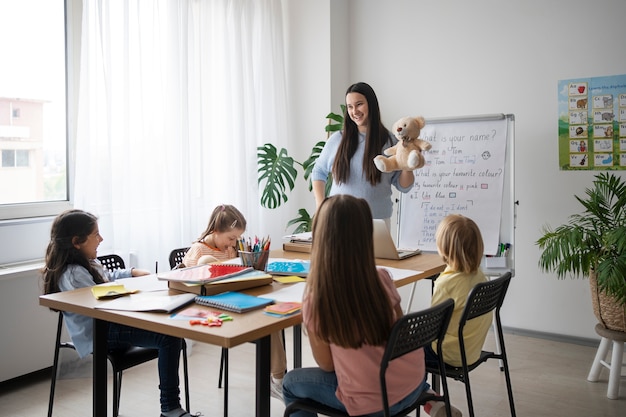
{"x":593,"y":244}
{"x":278,"y":173}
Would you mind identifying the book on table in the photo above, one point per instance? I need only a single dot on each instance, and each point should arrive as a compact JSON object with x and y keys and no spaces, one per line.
{"x":157,"y":301}
{"x":236,"y":302}
{"x":202,"y":274}
{"x":288,"y":267}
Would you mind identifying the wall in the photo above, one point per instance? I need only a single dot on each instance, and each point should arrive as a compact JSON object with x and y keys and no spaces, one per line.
{"x":444,"y":59}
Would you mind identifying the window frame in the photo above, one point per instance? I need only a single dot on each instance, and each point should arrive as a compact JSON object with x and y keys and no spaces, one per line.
{"x":9,"y":212}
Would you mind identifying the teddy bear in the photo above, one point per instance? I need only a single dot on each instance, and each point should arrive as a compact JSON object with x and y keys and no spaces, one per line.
{"x":406,"y":155}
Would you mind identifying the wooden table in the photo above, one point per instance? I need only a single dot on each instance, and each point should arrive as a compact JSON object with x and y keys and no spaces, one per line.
{"x":248,"y":327}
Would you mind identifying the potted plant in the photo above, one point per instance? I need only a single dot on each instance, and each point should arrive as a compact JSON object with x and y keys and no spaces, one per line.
{"x":593,"y":244}
{"x":278,"y":171}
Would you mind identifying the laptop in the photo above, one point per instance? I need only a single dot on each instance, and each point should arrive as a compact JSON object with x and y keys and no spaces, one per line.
{"x":385,"y":248}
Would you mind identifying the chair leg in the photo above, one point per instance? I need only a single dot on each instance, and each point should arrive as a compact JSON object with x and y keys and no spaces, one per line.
{"x":186,"y":375}
{"x":225,"y":361}
{"x":117,"y":391}
{"x":596,"y":367}
{"x":223,"y":364}
{"x":55,"y":366}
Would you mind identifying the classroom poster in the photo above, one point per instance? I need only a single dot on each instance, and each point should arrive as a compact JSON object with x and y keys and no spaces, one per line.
{"x":592,"y":123}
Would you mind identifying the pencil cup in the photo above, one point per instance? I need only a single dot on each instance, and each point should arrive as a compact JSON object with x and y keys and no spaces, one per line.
{"x":257,"y":260}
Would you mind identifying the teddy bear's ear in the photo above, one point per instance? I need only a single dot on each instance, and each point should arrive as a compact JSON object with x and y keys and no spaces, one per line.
{"x":420,"y":121}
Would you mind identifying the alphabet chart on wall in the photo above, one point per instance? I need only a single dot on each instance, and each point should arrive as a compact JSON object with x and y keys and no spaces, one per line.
{"x":464,"y":174}
{"x":592,"y":123}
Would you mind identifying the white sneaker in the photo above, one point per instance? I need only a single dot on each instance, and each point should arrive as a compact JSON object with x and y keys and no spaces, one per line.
{"x":276,"y":388}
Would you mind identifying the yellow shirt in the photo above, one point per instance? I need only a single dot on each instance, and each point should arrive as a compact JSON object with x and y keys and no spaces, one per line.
{"x":456,"y":285}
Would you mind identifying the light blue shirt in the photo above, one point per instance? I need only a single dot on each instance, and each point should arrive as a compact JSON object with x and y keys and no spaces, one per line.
{"x":377,"y":196}
{"x":79,"y":327}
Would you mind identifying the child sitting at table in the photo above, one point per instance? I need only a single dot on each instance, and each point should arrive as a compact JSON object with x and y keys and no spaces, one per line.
{"x":218,"y":240}
{"x":217,"y":243}
{"x":460,"y":244}
{"x":348,"y":310}
{"x":71,"y":263}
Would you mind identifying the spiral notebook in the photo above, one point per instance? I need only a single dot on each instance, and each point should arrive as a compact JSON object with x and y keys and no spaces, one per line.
{"x":203,"y":274}
{"x":237,"y":302}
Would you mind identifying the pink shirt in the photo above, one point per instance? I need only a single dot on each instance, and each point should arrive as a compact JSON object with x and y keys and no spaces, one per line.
{"x":358,"y":369}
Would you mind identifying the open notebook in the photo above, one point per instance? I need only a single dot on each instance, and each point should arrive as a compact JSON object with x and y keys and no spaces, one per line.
{"x":384,"y":247}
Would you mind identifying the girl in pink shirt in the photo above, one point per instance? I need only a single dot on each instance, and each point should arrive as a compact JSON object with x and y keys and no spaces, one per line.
{"x":349,"y":307}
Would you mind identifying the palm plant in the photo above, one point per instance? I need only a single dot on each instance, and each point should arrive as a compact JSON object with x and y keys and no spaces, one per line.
{"x":594,"y":241}
{"x":278,"y":170}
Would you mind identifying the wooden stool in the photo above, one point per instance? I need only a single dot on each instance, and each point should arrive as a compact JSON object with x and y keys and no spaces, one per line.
{"x":615,"y":367}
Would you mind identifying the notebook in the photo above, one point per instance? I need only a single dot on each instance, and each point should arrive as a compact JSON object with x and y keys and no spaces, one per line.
{"x":298,"y":268}
{"x":203,"y":274}
{"x":384,"y":248}
{"x":236,"y":302}
{"x":159,"y":301}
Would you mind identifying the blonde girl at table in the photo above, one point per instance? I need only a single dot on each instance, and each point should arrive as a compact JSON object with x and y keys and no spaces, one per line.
{"x":71,"y":263}
{"x":217,"y":243}
{"x":349,"y":308}
{"x":460,"y":244}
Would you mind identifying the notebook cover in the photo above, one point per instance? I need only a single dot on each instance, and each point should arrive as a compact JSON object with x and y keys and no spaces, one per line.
{"x":202,"y":274}
{"x":284,"y":308}
{"x":299,"y":268}
{"x":237,"y":302}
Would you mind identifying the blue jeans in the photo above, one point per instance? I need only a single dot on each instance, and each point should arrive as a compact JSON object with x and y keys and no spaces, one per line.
{"x":430,"y":357}
{"x":318,"y":385}
{"x":123,"y":337}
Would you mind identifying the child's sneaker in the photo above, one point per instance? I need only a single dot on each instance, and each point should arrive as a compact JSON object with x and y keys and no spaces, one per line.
{"x":439,"y":410}
{"x":276,"y":388}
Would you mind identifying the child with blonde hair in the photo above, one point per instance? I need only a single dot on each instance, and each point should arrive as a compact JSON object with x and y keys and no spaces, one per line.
{"x":460,"y":244}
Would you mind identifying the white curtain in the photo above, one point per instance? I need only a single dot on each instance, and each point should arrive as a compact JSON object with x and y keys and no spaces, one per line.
{"x":174,"y":98}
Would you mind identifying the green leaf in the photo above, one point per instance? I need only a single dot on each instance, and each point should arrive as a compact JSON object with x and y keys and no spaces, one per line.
{"x":304,"y":222}
{"x":278,"y":172}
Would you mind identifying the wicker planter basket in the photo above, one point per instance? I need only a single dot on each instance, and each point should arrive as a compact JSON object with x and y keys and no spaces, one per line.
{"x":606,"y":309}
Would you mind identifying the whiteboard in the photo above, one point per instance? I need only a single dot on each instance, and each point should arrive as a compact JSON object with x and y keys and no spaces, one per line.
{"x":468,"y":171}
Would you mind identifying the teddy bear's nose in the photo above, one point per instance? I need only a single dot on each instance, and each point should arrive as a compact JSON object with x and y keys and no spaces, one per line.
{"x":399,"y":129}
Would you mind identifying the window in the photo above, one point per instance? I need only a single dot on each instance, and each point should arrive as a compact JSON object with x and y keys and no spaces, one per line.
{"x":33,"y":122}
{"x":14,"y":158}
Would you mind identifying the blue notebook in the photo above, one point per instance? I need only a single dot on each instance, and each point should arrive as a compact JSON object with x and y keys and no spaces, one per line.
{"x":237,"y":302}
{"x":299,"y":268}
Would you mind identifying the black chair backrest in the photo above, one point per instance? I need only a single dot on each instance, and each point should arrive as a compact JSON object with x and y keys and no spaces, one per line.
{"x":485,"y":297}
{"x":176,"y":256}
{"x":112,"y":262}
{"x":413,"y":331}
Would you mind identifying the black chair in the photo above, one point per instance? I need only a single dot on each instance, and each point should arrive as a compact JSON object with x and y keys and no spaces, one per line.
{"x":120,"y":360}
{"x":412,"y":331}
{"x":176,"y":257}
{"x":484,"y":298}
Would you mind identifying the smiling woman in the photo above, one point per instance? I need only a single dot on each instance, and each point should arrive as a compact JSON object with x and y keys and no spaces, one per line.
{"x":33,"y":140}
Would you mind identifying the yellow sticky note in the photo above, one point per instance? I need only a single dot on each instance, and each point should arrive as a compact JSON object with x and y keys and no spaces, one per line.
{"x":288,"y":279}
{"x":110,"y":291}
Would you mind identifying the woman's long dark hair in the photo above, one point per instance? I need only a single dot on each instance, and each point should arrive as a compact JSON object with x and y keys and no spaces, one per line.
{"x":69,"y":228}
{"x":375,"y":138}
{"x":349,"y":303}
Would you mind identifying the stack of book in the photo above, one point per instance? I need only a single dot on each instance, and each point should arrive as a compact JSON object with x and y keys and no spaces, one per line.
{"x":299,"y":242}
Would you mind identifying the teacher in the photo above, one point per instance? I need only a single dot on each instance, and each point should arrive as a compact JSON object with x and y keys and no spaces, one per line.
{"x":349,"y":156}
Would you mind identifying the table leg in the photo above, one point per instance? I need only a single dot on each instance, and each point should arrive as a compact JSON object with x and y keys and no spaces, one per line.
{"x":297,"y":346}
{"x":100,"y":335}
{"x":263,"y":377}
